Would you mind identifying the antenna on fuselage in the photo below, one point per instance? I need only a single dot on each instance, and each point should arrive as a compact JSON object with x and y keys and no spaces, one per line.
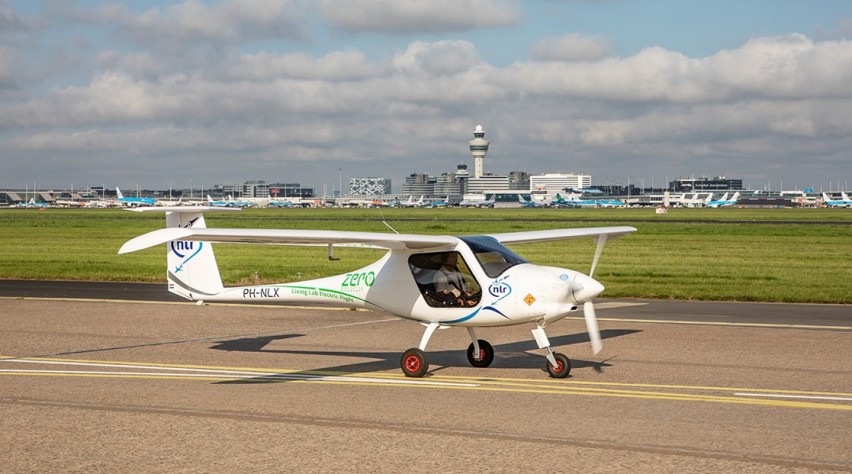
{"x":386,"y":223}
{"x":389,"y":227}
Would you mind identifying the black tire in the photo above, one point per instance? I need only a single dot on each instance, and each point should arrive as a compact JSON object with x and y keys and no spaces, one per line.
{"x":413,"y":363}
{"x":563,"y":366}
{"x":486,"y":354}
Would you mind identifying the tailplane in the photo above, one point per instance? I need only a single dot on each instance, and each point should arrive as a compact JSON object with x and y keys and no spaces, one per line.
{"x":192,"y":270}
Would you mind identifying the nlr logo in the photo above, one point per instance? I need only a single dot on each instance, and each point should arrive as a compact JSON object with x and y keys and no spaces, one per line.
{"x":181,"y":248}
{"x":498,"y":289}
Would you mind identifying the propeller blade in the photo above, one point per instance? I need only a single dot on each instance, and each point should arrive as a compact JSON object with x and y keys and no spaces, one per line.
{"x":592,"y":326}
{"x":601,"y":240}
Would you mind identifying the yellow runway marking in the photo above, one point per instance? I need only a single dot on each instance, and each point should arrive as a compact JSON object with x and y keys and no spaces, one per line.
{"x":52,"y":367}
{"x":720,"y":323}
{"x":190,"y":303}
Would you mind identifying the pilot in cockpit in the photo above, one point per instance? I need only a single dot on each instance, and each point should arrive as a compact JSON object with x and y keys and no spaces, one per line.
{"x":450,"y":282}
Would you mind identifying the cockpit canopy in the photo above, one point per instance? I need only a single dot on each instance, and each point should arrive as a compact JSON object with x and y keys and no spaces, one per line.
{"x":492,"y":255}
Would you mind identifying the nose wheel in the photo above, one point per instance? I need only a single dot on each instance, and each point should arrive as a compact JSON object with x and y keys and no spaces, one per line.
{"x":486,"y":354}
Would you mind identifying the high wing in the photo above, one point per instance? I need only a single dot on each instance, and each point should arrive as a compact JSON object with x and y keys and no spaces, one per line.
{"x":562,"y":234}
{"x":290,"y":237}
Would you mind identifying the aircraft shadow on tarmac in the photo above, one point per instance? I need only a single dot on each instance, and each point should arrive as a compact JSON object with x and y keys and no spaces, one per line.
{"x":512,"y":355}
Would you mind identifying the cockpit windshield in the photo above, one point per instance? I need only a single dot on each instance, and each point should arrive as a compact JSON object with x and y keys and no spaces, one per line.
{"x":492,"y":255}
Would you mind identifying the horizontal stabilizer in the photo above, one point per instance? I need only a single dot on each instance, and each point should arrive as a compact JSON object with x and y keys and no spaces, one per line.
{"x":156,"y":237}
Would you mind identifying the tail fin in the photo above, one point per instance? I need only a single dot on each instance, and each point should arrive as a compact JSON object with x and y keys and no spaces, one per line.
{"x":192,"y":269}
{"x":118,"y":193}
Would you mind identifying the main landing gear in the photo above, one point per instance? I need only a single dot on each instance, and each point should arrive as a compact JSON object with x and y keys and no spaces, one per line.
{"x":480,"y":354}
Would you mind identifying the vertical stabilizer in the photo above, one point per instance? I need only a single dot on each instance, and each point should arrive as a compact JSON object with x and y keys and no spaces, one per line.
{"x":192,"y":270}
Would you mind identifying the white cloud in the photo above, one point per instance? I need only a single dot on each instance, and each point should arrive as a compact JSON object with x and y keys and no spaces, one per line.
{"x":777,"y":99}
{"x":442,"y":58}
{"x":787,"y":66}
{"x":335,"y":66}
{"x":433,"y":16}
{"x":573,"y":47}
{"x":186,"y":24}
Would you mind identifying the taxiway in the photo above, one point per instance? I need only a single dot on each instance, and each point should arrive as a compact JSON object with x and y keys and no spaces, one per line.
{"x":99,"y":385}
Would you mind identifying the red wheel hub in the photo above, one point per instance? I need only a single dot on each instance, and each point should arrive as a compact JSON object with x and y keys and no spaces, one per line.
{"x":412,"y":363}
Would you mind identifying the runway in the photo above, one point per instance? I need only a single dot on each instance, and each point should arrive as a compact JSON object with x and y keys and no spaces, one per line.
{"x":98,"y":385}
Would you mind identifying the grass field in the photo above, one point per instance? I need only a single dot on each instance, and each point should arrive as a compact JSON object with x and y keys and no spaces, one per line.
{"x":790,"y":255}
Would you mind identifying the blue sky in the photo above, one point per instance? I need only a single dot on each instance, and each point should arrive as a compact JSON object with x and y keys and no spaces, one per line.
{"x":217,"y":92}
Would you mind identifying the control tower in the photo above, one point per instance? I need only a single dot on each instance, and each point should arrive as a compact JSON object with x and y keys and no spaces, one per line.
{"x":478,"y":148}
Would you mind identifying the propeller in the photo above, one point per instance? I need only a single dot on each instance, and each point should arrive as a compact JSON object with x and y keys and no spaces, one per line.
{"x":592,"y":326}
{"x":589,"y":306}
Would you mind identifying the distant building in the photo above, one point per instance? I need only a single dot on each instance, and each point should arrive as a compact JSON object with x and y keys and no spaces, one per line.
{"x":462,"y":176}
{"x":290,"y":190}
{"x":260,"y":189}
{"x":446,"y":185}
{"x":719,"y":183}
{"x":419,"y":184}
{"x":369,"y":186}
{"x":558,"y":182}
{"x":254,"y":189}
{"x":478,"y":148}
{"x":519,"y":180}
{"x":487,"y":183}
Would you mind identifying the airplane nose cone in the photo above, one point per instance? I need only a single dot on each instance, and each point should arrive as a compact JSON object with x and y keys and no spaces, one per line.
{"x":585,"y":288}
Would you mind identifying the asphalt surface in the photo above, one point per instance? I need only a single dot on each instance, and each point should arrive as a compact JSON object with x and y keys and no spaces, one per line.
{"x":98,"y":377}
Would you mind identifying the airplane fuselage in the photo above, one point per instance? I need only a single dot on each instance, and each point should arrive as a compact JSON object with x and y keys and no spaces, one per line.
{"x":522,"y":293}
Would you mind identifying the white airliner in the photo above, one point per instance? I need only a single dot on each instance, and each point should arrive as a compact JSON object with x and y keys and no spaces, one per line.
{"x":133,"y":201}
{"x":830,"y":202}
{"x":529,"y":203}
{"x":479,"y":202}
{"x":230,"y":202}
{"x":412,"y":203}
{"x":724,"y":202}
{"x":492,"y":285}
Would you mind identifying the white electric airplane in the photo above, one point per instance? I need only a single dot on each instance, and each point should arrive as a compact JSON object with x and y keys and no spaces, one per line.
{"x":504,"y":288}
